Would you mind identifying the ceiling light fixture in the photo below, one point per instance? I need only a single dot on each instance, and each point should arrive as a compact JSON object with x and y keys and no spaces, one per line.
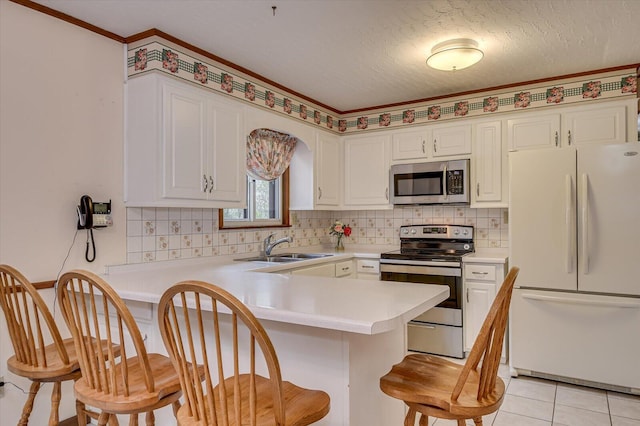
{"x":452,"y":55}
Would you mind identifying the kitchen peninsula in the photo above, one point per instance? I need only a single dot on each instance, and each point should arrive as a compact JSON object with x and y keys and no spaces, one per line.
{"x":338,"y":335}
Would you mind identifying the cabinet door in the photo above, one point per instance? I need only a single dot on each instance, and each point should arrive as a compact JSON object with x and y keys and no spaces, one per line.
{"x":324,"y":270}
{"x":227,"y":178}
{"x":366,"y":171}
{"x":531,"y":132}
{"x":409,"y":145}
{"x":603,"y":125}
{"x":451,"y":140}
{"x":184,"y":142}
{"x":486,"y":174}
{"x":478,"y":299}
{"x":329,"y":157}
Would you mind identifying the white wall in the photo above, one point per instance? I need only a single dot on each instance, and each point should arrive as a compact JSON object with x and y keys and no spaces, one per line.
{"x":61,"y":127}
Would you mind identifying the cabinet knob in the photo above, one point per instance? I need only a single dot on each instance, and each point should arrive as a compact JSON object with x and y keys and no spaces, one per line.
{"x":386,"y":193}
{"x":435,"y":146}
{"x":478,"y":189}
{"x":211,"y":182}
{"x":424,"y":151}
{"x":319,"y":193}
{"x":206,"y":184}
{"x":569,"y":137}
{"x":557,"y":139}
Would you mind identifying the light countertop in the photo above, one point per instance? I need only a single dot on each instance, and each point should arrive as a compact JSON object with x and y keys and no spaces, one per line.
{"x":344,"y":304}
{"x":487,"y":255}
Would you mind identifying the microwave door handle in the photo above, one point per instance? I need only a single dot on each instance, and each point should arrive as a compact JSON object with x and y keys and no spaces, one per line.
{"x":444,"y":182}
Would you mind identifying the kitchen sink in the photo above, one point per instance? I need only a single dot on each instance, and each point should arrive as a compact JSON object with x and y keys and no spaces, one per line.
{"x":276,"y":259}
{"x":303,"y":255}
{"x":285,"y":257}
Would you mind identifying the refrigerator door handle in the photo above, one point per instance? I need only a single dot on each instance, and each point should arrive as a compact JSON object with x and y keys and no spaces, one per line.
{"x":576,"y":301}
{"x":585,"y":220}
{"x":568,"y":223}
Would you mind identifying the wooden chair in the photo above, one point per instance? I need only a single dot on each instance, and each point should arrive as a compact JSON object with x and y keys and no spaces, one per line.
{"x":137,"y":383}
{"x":31,"y":326}
{"x":195,"y":331}
{"x":434,"y":386}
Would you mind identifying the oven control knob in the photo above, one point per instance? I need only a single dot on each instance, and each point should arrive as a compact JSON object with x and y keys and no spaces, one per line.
{"x":405,"y":231}
{"x":413,"y":231}
{"x":465,"y":232}
{"x":456,"y":232}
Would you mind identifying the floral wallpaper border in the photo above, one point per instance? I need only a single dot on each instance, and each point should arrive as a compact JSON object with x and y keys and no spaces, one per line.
{"x":156,"y":56}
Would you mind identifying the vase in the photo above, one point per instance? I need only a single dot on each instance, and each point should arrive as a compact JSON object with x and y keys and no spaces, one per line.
{"x":339,"y":244}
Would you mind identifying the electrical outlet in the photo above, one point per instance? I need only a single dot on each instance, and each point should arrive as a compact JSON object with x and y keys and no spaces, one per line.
{"x":2,"y":386}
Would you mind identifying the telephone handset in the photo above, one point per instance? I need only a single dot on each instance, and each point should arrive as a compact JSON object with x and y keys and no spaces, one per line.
{"x":93,"y":215}
{"x":85,"y":213}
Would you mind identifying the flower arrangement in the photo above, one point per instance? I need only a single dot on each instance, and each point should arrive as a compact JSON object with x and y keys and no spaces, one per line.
{"x":340,"y":230}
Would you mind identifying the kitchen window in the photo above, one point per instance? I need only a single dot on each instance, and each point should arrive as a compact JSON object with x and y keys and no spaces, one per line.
{"x":267,"y":205}
{"x":269,"y":154}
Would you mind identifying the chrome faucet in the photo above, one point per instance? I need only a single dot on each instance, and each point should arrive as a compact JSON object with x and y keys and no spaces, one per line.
{"x":268,"y":245}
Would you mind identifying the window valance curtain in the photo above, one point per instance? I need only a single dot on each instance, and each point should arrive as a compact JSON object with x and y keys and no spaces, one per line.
{"x":269,"y":153}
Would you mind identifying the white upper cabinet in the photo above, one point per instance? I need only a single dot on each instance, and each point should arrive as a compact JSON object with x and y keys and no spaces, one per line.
{"x":408,"y":145}
{"x":227,"y":164}
{"x":603,"y":124}
{"x":185,"y":146}
{"x":366,"y":170}
{"x":450,"y":140}
{"x":184,"y":138}
{"x":488,"y":170}
{"x":533,"y":131}
{"x":328,"y":169}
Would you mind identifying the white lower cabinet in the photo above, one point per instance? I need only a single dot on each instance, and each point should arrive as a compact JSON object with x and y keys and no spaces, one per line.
{"x":481,"y":283}
{"x":345,"y":269}
{"x":368,"y":269}
{"x":323,"y":270}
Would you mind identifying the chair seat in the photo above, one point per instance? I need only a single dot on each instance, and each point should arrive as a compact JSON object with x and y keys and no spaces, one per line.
{"x":429,"y":380}
{"x":167,"y":388}
{"x":302,"y":406}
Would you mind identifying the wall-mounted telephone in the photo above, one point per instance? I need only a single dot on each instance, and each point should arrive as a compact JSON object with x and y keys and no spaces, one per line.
{"x":92,"y":214}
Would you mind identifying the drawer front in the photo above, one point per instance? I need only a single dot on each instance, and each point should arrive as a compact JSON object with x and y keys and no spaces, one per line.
{"x":369,"y":266}
{"x":480,"y":272}
{"x":435,"y":339}
{"x":344,"y":268}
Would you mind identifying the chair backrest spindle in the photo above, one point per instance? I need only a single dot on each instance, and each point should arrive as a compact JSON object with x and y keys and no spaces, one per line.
{"x":28,"y":317}
{"x":94,"y":313}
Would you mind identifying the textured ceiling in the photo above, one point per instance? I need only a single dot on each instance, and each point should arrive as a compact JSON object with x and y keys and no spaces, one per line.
{"x":354,"y":54}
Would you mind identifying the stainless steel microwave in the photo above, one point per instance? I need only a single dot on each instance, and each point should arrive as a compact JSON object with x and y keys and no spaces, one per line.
{"x":439,"y":182}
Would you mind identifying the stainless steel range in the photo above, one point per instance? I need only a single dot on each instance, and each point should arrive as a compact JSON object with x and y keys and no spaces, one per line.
{"x":432,"y":254}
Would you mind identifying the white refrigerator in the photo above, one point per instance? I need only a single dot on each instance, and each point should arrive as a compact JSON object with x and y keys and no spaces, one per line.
{"x":574,"y":229}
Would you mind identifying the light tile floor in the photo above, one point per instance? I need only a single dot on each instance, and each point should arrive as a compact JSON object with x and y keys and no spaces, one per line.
{"x":536,"y":402}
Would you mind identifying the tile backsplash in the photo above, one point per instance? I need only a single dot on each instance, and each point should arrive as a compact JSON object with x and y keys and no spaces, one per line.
{"x":157,"y":234}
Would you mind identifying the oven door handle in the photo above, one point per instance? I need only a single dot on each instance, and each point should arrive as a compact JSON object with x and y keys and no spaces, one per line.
{"x":425,"y":263}
{"x":422,"y":270}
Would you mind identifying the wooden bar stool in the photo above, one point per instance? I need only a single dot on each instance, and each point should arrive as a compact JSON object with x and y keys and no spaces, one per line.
{"x":434,"y":386}
{"x":138,"y":382}
{"x":229,"y":346}
{"x":27,"y":315}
